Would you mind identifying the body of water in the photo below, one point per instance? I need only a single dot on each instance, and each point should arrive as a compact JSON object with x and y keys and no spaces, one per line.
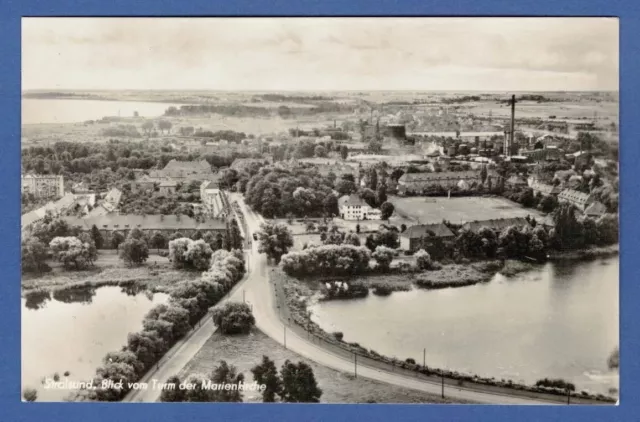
{"x":558,"y":321}
{"x":72,"y":111}
{"x":73,"y":330}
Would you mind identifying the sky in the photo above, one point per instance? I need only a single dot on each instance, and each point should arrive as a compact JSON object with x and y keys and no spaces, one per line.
{"x":314,"y":54}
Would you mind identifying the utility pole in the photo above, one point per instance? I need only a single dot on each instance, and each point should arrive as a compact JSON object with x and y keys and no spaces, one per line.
{"x":355,"y":363}
{"x":568,"y":396}
{"x":424,"y":358}
{"x":442,"y":375}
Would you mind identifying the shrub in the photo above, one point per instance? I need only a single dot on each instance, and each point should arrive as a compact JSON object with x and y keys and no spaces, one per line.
{"x":233,"y":318}
{"x":338,"y":335}
{"x":423,"y":259}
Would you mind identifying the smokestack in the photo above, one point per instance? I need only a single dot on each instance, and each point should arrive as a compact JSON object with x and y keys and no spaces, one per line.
{"x":513,"y":118}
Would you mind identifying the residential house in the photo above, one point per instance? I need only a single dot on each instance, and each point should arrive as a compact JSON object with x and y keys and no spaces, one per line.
{"x":145,"y":183}
{"x":42,"y":185}
{"x":412,"y":238}
{"x":595,"y":209}
{"x":352,"y":207}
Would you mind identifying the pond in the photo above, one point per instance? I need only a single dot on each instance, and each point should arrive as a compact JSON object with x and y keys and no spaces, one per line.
{"x":72,"y":330}
{"x":558,"y":321}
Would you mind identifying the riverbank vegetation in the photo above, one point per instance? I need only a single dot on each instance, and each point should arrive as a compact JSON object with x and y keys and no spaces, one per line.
{"x":164,"y":325}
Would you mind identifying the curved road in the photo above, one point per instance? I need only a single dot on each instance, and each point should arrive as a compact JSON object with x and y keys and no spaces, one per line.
{"x":257,"y":290}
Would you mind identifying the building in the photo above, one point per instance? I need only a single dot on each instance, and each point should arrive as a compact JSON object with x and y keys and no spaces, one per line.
{"x":543,"y":188}
{"x":352,"y":207}
{"x":545,"y":154}
{"x":165,"y":224}
{"x":145,"y":183}
{"x":168,"y":187}
{"x":214,"y":200}
{"x":43,"y":185}
{"x":495,"y":224}
{"x":580,"y":199}
{"x":412,"y":238}
{"x":416,"y":183}
{"x":515,"y":181}
{"x":244,"y":163}
{"x":595,"y":210}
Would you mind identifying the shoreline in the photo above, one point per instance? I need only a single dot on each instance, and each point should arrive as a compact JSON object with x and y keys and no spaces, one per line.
{"x":296,"y":299}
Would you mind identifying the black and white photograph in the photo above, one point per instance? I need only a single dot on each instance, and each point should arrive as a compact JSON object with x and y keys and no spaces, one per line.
{"x":320,"y":210}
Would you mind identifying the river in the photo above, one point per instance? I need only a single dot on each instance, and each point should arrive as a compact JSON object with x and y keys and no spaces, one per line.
{"x":72,"y":111}
{"x":558,"y":321}
{"x":73,"y":330}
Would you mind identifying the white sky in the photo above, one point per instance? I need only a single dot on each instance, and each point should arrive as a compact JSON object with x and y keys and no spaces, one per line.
{"x":489,"y":54}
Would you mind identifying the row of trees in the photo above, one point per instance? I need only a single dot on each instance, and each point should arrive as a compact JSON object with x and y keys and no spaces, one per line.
{"x":165,"y":324}
{"x":327,"y":260}
{"x":295,"y":383}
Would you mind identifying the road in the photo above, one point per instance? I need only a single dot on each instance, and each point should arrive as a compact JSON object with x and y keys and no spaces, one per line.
{"x":257,"y":290}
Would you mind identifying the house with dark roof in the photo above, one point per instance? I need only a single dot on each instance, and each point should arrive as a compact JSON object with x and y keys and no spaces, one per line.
{"x":425,"y":236}
{"x":166,"y":224}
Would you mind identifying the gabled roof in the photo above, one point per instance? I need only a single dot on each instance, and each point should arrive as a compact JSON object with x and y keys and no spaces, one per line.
{"x":596,"y":209}
{"x":145,"y":222}
{"x":575,"y":196}
{"x":351,"y":200}
{"x":168,"y":184}
{"x":545,"y":188}
{"x":417,"y":231}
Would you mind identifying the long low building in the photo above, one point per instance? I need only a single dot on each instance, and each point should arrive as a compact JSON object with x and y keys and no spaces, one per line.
{"x":418,"y":182}
{"x":412,"y":238}
{"x":495,"y":224}
{"x":166,"y":224}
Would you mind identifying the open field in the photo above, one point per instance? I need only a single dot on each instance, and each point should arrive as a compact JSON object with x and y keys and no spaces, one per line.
{"x":458,"y":210}
{"x":157,"y":272}
{"x":246,"y":351}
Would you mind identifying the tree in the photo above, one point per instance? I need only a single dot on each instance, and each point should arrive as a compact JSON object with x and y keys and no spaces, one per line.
{"x":116,"y":239}
{"x":352,"y":239}
{"x":547,"y":203}
{"x":320,"y":151}
{"x":613,"y":362}
{"x":148,"y":127}
{"x":381,"y":195}
{"x":225,"y":374}
{"x":198,"y":254}
{"x":368,"y":196}
{"x":72,"y":252}
{"x":134,"y":251}
{"x":96,"y":236}
{"x":165,"y":125}
{"x":568,"y":230}
{"x":344,"y":152}
{"x":233,"y":318}
{"x":275,"y":240}
{"x":346,"y":187}
{"x":383,"y":257}
{"x":607,"y":228}
{"x":299,"y":383}
{"x":266,"y":374}
{"x":158,"y":240}
{"x":483,"y":174}
{"x":387,"y":210}
{"x":34,"y":255}
{"x":30,"y":394}
{"x":171,"y":391}
{"x":330,"y":205}
{"x":423,"y":259}
{"x":373,"y":179}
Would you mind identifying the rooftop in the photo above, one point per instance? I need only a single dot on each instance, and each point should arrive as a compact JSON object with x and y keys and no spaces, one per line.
{"x":351,"y":200}
{"x":146,"y":222}
{"x":438,"y":229}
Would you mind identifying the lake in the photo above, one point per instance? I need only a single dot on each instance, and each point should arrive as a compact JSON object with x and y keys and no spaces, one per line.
{"x":72,"y":111}
{"x":558,"y":321}
{"x":73,"y":330}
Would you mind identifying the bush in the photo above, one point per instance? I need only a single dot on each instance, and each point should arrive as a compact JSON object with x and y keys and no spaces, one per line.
{"x":423,"y":259}
{"x":233,"y":318}
{"x":338,"y":335}
{"x":556,"y":383}
{"x":327,"y":260}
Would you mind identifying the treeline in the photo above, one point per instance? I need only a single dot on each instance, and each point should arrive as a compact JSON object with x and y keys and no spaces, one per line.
{"x":463,"y":99}
{"x":336,"y":260}
{"x":281,"y":98}
{"x":164,"y":325}
{"x":241,"y":110}
{"x":102,"y":165}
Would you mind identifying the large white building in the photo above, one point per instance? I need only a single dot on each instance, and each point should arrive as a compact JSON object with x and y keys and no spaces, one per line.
{"x":213,"y":199}
{"x":43,"y":185}
{"x":352,"y":207}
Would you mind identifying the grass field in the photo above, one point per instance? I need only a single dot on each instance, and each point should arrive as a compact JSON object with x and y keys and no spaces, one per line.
{"x":246,"y":351}
{"x":458,"y":210}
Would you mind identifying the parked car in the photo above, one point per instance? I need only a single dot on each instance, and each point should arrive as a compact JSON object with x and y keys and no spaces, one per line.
{"x":255,"y":236}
